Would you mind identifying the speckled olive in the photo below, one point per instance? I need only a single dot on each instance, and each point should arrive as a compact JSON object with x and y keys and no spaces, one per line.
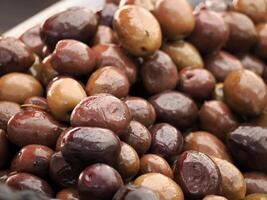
{"x":214,"y":197}
{"x":222,"y":63}
{"x":36,"y":103}
{"x":4,"y":148}
{"x":216,"y":118}
{"x":138,"y":30}
{"x":261,"y":45}
{"x":62,"y":97}
{"x":103,"y":110}
{"x":138,"y":136}
{"x":175,"y":17}
{"x":141,"y":110}
{"x":99,"y":181}
{"x":247,"y":146}
{"x":233,"y":185}
{"x":245,"y":92}
{"x":4,"y":174}
{"x":147,"y":4}
{"x":256,"y":196}
{"x":167,"y":141}
{"x":33,"y":159}
{"x":77,"y":23}
{"x":218,"y":94}
{"x":256,"y":182}
{"x":87,"y":145}
{"x":159,"y":68}
{"x":197,"y":174}
{"x":174,"y":108}
{"x":210,"y":32}
{"x":197,"y":83}
{"x":128,"y":163}
{"x":165,"y":186}
{"x":104,"y":35}
{"x":72,"y":57}
{"x":107,"y":13}
{"x":15,"y":56}
{"x":111,"y":80}
{"x":253,"y":63}
{"x":7,"y":110}
{"x":33,"y":127}
{"x":25,"y":181}
{"x":68,"y":194}
{"x":17,"y":87}
{"x":183,"y":54}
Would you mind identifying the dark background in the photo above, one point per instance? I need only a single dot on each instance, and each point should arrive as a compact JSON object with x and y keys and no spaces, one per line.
{"x":12,"y":12}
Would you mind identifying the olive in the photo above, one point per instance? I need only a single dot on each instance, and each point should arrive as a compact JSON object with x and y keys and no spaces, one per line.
{"x":68,"y":194}
{"x":138,"y":30}
{"x":36,"y":103}
{"x":147,"y":4}
{"x":107,"y":13}
{"x":256,"y":197}
{"x":17,"y":87}
{"x":256,"y":182}
{"x":214,"y":197}
{"x":253,"y":63}
{"x":62,"y":139}
{"x":104,"y":35}
{"x":261,"y":44}
{"x":7,"y":110}
{"x":4,"y":148}
{"x":218,"y":94}
{"x":99,"y":182}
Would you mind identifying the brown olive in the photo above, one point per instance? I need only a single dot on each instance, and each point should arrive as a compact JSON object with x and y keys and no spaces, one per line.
{"x":161,"y":184}
{"x":68,"y":194}
{"x":72,"y":57}
{"x":175,"y":17}
{"x":111,"y":80}
{"x":79,"y":23}
{"x":233,"y":185}
{"x":210,"y":32}
{"x":242,"y":32}
{"x":128,"y":163}
{"x":261,"y":45}
{"x":206,"y":143}
{"x":137,"y":136}
{"x":103,"y":110}
{"x":138,"y":30}
{"x":33,"y":127}
{"x":17,"y":87}
{"x":197,"y":174}
{"x":147,"y":4}
{"x":104,"y":35}
{"x":183,"y":54}
{"x":253,"y":63}
{"x":4,"y":174}
{"x":7,"y":110}
{"x":174,"y":108}
{"x":141,"y":110}
{"x":245,"y":92}
{"x":152,"y":163}
{"x":217,"y":118}
{"x":218,"y":94}
{"x":4,"y":149}
{"x":220,"y":64}
{"x":214,"y":197}
{"x":256,"y":182}
{"x":62,"y":97}
{"x":36,"y":103}
{"x":107,"y":13}
{"x":256,"y":196}
{"x":62,"y":139}
{"x":159,"y":68}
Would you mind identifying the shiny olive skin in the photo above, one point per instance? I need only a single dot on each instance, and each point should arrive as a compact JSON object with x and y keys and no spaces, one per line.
{"x":197,"y":83}
{"x":152,"y":163}
{"x":214,"y":197}
{"x":36,"y":103}
{"x":137,"y":136}
{"x":7,"y":110}
{"x":104,"y":35}
{"x":132,"y":192}
{"x":256,"y":196}
{"x":197,"y":174}
{"x":233,"y":185}
{"x":72,"y":57}
{"x":62,"y":97}
{"x":33,"y":159}
{"x":166,"y":187}
{"x":210,"y":32}
{"x":261,"y":45}
{"x":68,"y":194}
{"x":4,"y":174}
{"x":175,"y":17}
{"x":183,"y":54}
{"x":247,"y":146}
{"x":61,"y":172}
{"x":141,"y":110}
{"x":143,"y":35}
{"x":147,"y":4}
{"x":4,"y":148}
{"x":103,"y":110}
{"x":206,"y":143}
{"x":62,"y":139}
{"x":107,"y":13}
{"x":99,"y":181}
{"x":253,"y":63}
{"x":256,"y":182}
{"x":217,"y":118}
{"x":245,"y":92}
{"x":242,"y":32}
{"x":218,"y":94}
{"x":167,"y":141}
{"x":221,"y":64}
{"x":15,"y":56}
{"x":17,"y":87}
{"x":76,"y":23}
{"x":159,"y":68}
{"x":109,"y":79}
{"x":33,"y":40}
{"x":174,"y":108}
{"x":25,"y":181}
{"x":87,"y":145}
{"x":33,"y":127}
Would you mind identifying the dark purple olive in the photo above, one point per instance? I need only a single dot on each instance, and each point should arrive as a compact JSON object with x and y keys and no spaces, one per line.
{"x":7,"y":110}
{"x":62,"y":139}
{"x":256,"y":182}
{"x":4,"y":148}
{"x":253,"y":63}
{"x":68,"y":194}
{"x":107,"y":13}
{"x":36,"y":103}
{"x":99,"y":182}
